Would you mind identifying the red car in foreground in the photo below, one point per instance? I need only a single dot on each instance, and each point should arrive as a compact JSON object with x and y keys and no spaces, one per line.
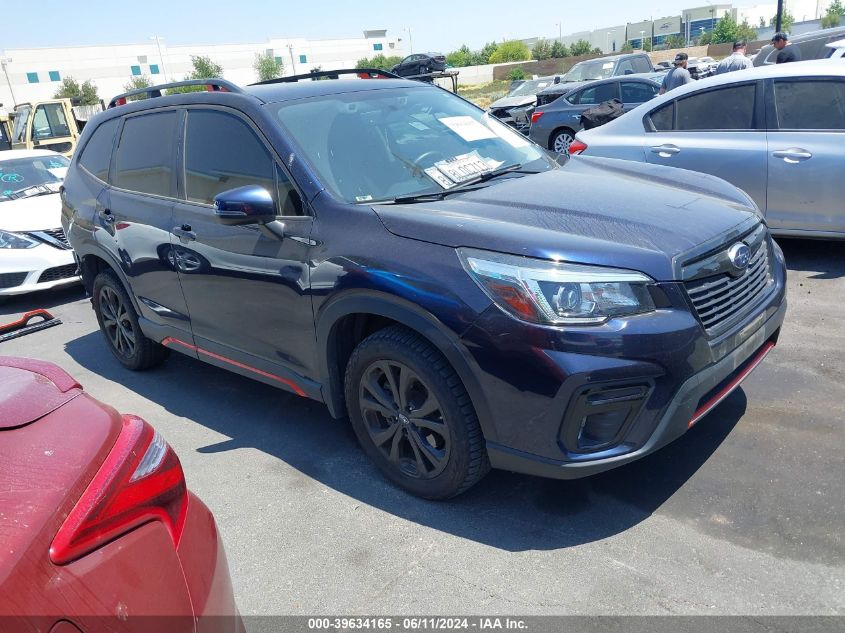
{"x":98,"y":531}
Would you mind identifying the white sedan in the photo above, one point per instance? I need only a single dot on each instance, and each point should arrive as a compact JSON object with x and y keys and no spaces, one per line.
{"x":34,"y":252}
{"x":836,"y":49}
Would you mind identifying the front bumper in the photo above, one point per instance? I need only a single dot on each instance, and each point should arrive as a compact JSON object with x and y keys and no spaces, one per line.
{"x":660,"y":370}
{"x":39,"y":268}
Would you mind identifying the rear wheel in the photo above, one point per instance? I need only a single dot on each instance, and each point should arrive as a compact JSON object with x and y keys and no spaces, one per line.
{"x":561,"y":140}
{"x":412,"y":415}
{"x":119,"y":325}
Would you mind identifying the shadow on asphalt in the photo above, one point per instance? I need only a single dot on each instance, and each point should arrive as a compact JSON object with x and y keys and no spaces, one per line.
{"x":509,"y":511}
{"x":47,"y":299}
{"x":826,"y":258}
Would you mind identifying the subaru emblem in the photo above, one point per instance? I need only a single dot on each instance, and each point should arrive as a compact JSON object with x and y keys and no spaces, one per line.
{"x":739,"y":255}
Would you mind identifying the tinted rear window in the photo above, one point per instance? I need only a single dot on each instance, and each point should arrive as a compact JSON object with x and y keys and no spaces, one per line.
{"x":144,"y":160}
{"x":729,"y":108}
{"x":662,"y":117}
{"x":97,"y":153}
{"x":810,"y":105}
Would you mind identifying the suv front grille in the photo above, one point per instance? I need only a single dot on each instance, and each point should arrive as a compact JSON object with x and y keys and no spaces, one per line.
{"x":722,"y":299}
{"x":58,"y":272}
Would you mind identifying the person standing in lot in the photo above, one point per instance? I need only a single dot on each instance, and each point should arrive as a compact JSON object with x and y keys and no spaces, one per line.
{"x":788,"y":53}
{"x":678,"y":76}
{"x":735,"y":61}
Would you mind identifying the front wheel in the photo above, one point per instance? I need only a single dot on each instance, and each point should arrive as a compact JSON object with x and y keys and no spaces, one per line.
{"x":119,"y":325}
{"x":412,"y":415}
{"x":561,"y":141}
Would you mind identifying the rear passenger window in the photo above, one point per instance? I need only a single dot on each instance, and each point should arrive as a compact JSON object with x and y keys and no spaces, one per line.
{"x":637,"y":92}
{"x":730,"y":108}
{"x":662,"y":117}
{"x":222,"y":152}
{"x":144,"y":160}
{"x":96,"y":156}
{"x":810,"y":105}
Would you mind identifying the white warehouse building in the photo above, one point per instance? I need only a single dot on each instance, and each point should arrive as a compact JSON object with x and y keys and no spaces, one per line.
{"x":36,"y":73}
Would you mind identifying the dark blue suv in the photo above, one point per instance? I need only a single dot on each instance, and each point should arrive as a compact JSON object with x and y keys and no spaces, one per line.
{"x":387,"y":248}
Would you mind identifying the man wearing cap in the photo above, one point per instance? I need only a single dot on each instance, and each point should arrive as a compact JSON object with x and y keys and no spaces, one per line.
{"x":788,"y":53}
{"x":736,"y":61}
{"x":678,"y":76}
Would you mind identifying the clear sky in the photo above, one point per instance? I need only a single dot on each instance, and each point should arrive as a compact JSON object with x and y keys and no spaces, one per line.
{"x":435,"y":25}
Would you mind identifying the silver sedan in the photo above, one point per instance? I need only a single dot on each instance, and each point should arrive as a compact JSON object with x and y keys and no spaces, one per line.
{"x":776,"y":131}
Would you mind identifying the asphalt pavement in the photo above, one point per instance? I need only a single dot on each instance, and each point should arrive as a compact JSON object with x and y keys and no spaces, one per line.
{"x":745,"y":514}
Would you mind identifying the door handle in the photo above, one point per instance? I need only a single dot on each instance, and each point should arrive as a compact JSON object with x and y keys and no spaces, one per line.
{"x":792,"y":155}
{"x":665,"y":150}
{"x":184,"y":232}
{"x":106,"y":216}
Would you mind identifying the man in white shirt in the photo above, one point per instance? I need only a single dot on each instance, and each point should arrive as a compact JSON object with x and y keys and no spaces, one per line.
{"x":736,"y":61}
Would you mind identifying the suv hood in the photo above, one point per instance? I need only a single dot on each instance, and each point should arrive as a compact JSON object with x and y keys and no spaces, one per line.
{"x":513,"y":102}
{"x":593,"y":210}
{"x":31,"y":214}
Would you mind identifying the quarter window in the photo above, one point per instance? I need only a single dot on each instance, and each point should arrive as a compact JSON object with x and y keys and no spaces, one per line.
{"x":97,"y":153}
{"x":810,"y":105}
{"x":145,"y":154}
{"x":661,"y":118}
{"x":246,"y":161}
{"x":730,"y":108}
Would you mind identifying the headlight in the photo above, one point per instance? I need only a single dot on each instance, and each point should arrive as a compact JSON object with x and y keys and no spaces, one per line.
{"x":16,"y":240}
{"x":557,"y":293}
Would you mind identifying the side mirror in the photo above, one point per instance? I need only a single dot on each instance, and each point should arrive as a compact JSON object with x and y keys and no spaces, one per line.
{"x":245,"y":205}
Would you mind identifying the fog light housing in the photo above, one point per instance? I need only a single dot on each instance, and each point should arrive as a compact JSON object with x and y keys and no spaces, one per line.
{"x":599,"y":416}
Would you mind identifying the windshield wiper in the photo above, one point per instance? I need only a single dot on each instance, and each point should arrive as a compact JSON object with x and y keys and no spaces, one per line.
{"x":41,"y":190}
{"x":468,"y":185}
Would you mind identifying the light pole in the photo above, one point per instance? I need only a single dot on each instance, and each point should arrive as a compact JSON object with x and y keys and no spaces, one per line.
{"x":3,"y":62}
{"x":160,"y":56}
{"x":642,"y":40}
{"x":559,"y":26}
{"x":292,"y":63}
{"x":410,"y":41}
{"x":607,"y":42}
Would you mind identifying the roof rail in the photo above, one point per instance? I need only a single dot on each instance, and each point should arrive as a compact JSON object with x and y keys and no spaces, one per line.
{"x":364,"y":73}
{"x":211,"y":85}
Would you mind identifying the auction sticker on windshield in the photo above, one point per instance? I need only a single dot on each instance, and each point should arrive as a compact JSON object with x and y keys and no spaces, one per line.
{"x":468,"y":128}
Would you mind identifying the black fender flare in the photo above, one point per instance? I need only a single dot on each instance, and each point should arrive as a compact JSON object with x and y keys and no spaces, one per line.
{"x":114,"y":264}
{"x":409,"y":315}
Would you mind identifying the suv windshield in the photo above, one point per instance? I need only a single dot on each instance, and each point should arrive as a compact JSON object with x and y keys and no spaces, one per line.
{"x":531,"y":87}
{"x":24,"y":177}
{"x":376,"y":145}
{"x":595,"y":69}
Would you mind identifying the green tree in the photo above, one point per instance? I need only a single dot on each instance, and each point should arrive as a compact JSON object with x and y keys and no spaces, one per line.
{"x":204,"y":68}
{"x":725,"y":30}
{"x":762,"y":22}
{"x":645,"y":45}
{"x":136,"y":83}
{"x":581,"y":47}
{"x":267,"y":66}
{"x":86,"y":92}
{"x":674,"y":41}
{"x":627,"y":47}
{"x":833,"y":17}
{"x":510,"y":51}
{"x":379,"y":61}
{"x":559,"y":50}
{"x":486,"y":52}
{"x":705,"y":38}
{"x":461,"y":57}
{"x":542,"y":50}
{"x":786,"y":23}
{"x":746,"y":32}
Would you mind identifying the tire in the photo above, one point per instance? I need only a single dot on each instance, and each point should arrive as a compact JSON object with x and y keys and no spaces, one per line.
{"x":561,"y":140}
{"x":119,"y":324}
{"x":438,"y":454}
